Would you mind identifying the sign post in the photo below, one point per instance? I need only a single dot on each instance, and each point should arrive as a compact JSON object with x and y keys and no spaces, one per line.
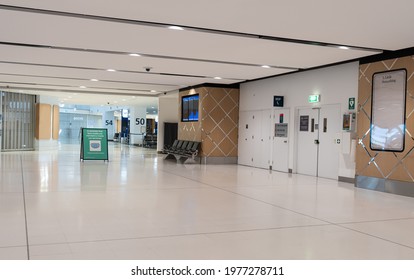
{"x":94,"y":144}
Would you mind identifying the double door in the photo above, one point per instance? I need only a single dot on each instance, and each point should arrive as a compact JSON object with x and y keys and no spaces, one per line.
{"x":263,"y":139}
{"x":254,"y":138}
{"x":318,"y":139}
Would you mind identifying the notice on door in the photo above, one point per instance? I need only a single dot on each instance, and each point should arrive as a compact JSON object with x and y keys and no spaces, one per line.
{"x":388,"y":110}
{"x":304,"y":123}
{"x":281,"y":130}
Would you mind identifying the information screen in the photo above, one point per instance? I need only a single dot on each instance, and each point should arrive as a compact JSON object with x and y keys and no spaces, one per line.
{"x":388,"y":110}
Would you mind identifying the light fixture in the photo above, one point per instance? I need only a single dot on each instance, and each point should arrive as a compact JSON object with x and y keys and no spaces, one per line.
{"x":343,"y":48}
{"x":94,"y":80}
{"x":153,"y":91}
{"x":174,"y":27}
{"x":217,"y":78}
{"x":111,"y":70}
{"x":153,"y":107}
{"x":82,"y":87}
{"x":265,"y":66}
{"x":134,"y":54}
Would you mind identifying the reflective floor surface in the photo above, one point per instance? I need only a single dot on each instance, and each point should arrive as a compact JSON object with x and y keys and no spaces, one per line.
{"x":138,"y":206}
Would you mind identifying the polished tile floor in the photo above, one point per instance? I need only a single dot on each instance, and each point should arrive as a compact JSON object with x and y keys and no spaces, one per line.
{"x":138,"y":206}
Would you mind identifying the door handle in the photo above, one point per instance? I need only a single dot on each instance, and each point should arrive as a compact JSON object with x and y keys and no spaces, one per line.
{"x":285,"y":141}
{"x":316,"y":141}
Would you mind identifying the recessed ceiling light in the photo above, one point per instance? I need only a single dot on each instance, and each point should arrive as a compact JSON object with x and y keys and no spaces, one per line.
{"x":111,"y":70}
{"x":153,"y":107}
{"x":94,"y":80}
{"x":265,"y":66}
{"x":153,"y":91}
{"x":217,"y":78}
{"x":343,"y":48}
{"x":134,"y":54}
{"x":82,"y":87}
{"x":174,"y":27}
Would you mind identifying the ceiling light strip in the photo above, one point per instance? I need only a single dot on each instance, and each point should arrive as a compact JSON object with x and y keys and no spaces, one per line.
{"x":145,"y":55}
{"x":75,"y":89}
{"x":81,"y":79}
{"x":120,"y":71}
{"x":189,"y":28}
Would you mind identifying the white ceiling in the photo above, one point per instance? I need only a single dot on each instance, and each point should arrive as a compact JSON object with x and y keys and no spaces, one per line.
{"x":55,"y":47}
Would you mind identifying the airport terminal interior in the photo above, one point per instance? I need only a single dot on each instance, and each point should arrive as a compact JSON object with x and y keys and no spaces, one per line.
{"x":158,"y":130}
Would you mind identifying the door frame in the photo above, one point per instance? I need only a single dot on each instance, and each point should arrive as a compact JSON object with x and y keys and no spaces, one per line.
{"x":296,"y":133}
{"x":290,"y":127}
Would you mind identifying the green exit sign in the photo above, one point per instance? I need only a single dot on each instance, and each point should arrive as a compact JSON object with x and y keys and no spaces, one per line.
{"x":313,"y":98}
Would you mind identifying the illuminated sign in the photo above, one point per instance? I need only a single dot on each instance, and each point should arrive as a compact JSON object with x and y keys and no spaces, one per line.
{"x":313,"y":98}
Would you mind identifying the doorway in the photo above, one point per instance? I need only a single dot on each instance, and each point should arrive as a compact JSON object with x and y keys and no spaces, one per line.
{"x":318,"y":141}
{"x":280,"y":151}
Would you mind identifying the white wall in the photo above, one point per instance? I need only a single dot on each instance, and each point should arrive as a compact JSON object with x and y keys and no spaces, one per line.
{"x":334,"y":84}
{"x":108,"y":122}
{"x":1,"y":119}
{"x":137,"y":124}
{"x":167,"y":112}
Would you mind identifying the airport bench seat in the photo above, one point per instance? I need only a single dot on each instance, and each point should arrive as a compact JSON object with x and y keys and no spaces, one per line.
{"x":183,"y":151}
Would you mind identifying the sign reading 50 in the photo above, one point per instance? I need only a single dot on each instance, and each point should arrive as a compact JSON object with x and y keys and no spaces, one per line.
{"x":139,"y":121}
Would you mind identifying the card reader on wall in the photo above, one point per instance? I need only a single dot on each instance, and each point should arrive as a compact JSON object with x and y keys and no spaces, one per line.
{"x":348,"y":122}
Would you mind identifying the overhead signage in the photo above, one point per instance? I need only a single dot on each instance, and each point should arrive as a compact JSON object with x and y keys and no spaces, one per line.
{"x":313,"y":98}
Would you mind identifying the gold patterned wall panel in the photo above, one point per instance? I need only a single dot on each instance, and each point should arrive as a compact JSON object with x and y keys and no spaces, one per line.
{"x":220,"y":118}
{"x":385,"y":165}
{"x":217,"y":127}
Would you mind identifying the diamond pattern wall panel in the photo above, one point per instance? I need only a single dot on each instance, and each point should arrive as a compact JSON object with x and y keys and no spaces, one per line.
{"x":387,"y":165}
{"x":220,"y":118}
{"x":217,"y":127}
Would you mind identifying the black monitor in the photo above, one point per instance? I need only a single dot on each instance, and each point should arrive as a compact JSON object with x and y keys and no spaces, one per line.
{"x":189,"y":108}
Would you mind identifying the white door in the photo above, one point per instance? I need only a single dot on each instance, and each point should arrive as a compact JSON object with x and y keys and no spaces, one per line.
{"x":261,"y":138}
{"x":307,"y":145}
{"x":318,"y":136}
{"x":264,"y":140}
{"x":245,"y":142}
{"x":280,"y":129}
{"x":329,"y":129}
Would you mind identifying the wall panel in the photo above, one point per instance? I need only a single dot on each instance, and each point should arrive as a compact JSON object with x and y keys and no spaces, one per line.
{"x":397,"y":166}
{"x":43,"y":121}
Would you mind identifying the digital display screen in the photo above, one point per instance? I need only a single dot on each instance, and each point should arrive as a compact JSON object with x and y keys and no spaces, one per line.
{"x":388,"y":111}
{"x":189,"y":108}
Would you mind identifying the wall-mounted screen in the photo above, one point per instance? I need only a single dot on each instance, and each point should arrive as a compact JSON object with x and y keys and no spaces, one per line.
{"x":189,"y":108}
{"x":388,"y":110}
